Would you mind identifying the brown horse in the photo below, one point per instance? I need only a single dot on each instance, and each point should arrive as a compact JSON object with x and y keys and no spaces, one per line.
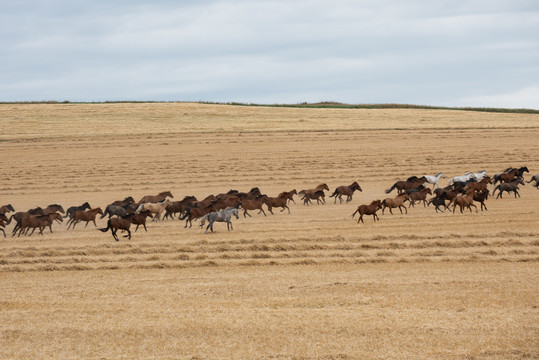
{"x":396,"y":202}
{"x":276,"y":202}
{"x":411,"y":183}
{"x":84,"y":215}
{"x":319,"y":187}
{"x":345,"y":190}
{"x":38,"y":221}
{"x":317,"y":195}
{"x":465,"y":201}
{"x":479,"y":186}
{"x":53,"y":208}
{"x":506,"y":176}
{"x":228,"y":201}
{"x":140,"y":219}
{"x":115,"y":224}
{"x":289,"y":195}
{"x":370,"y":209}
{"x":419,"y":196}
{"x":155,"y":198}
{"x":481,"y":197}
{"x":4,"y":209}
{"x":254,"y":204}
{"x":176,"y":207}
{"x":3,"y":220}
{"x":124,"y":203}
{"x":196,"y":212}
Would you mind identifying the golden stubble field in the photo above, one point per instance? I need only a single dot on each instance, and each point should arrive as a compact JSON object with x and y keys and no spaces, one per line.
{"x":305,"y":285}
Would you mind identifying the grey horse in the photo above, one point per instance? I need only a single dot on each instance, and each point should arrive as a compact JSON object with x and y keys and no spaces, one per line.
{"x":224,"y":215}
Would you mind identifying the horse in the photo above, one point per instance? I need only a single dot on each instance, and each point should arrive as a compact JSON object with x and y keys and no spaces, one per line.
{"x":155,"y":198}
{"x":112,"y":210}
{"x":318,"y":195}
{"x":465,"y":201}
{"x":123,"y":203}
{"x":508,"y":187}
{"x":289,"y":195}
{"x":3,"y":220}
{"x":438,"y":201}
{"x":370,"y":209}
{"x":228,"y":201}
{"x":536,"y":179}
{"x":4,"y":209}
{"x":322,"y":187}
{"x":479,"y":186}
{"x":411,"y":183}
{"x":345,"y":190}
{"x":224,"y":215}
{"x":250,"y":195}
{"x":396,"y":202}
{"x":38,"y":221}
{"x":70,"y":211}
{"x":140,"y":219}
{"x":53,"y":208}
{"x":255,"y":204}
{"x":121,"y":223}
{"x":82,"y":215}
{"x":175,"y":207}
{"x":510,"y":174}
{"x":155,"y":208}
{"x":481,"y":197}
{"x":195,"y":212}
{"x":478,"y":176}
{"x":419,"y":196}
{"x":433,"y":179}
{"x":279,"y":201}
{"x":463,"y":178}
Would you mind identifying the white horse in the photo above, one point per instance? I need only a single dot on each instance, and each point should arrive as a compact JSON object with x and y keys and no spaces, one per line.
{"x":433,"y":179}
{"x":478,"y":175}
{"x":463,"y":178}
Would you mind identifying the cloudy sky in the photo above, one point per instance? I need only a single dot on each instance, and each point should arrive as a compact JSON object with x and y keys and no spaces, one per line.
{"x":425,"y":52}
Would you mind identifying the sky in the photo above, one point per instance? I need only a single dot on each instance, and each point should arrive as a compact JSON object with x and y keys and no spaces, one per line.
{"x":480,"y":53}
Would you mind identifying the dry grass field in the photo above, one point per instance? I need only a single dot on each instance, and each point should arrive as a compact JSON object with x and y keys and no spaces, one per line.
{"x":312,"y":284}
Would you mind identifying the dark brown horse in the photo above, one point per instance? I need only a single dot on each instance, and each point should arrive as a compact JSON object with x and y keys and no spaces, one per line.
{"x":196,"y":212}
{"x":70,"y":211}
{"x":317,"y":195}
{"x":481,"y":197}
{"x":321,"y":187}
{"x":254,"y":204}
{"x":479,"y":186}
{"x":3,"y":220}
{"x":226,"y":201}
{"x":370,"y":209}
{"x":140,"y":219}
{"x":178,"y":207}
{"x":346,"y":190}
{"x":84,"y":215}
{"x":396,"y":202}
{"x":38,"y":221}
{"x":4,"y":209}
{"x":53,"y":208}
{"x":115,"y":224}
{"x":411,"y":183}
{"x":124,"y":203}
{"x":155,"y":198}
{"x":510,"y":174}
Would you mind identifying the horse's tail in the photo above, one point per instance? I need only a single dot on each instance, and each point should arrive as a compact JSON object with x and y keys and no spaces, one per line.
{"x":496,"y":188}
{"x":354,"y":214}
{"x":203,"y":220}
{"x":532,"y":179}
{"x":107,"y":211}
{"x":391,"y":188}
{"x":334,"y":193}
{"x":107,"y":228}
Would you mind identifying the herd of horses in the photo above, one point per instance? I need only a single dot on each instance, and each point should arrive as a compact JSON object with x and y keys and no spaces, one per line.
{"x":462,"y":191}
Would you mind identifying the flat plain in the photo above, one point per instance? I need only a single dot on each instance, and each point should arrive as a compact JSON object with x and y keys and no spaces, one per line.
{"x":306,"y":285}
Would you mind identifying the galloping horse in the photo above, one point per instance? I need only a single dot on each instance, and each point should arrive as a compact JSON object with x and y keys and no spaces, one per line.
{"x":508,"y":187}
{"x":481,"y":197}
{"x":478,"y":176}
{"x":175,"y":207}
{"x":419,"y":196}
{"x":140,"y":219}
{"x":112,"y":210}
{"x":3,"y":220}
{"x":255,"y":204}
{"x":37,"y":221}
{"x":317,"y":195}
{"x":510,"y":174}
{"x":346,"y":190}
{"x":433,"y":179}
{"x":479,"y":186}
{"x":194,"y":213}
{"x":224,"y":215}
{"x":370,"y":209}
{"x":464,"y":178}
{"x":396,"y":202}
{"x":276,"y":202}
{"x":465,"y":201}
{"x":71,"y":210}
{"x":115,"y":224}
{"x":411,"y":183}
{"x":155,"y":198}
{"x":289,"y":195}
{"x":155,"y":208}
{"x":81,"y":215}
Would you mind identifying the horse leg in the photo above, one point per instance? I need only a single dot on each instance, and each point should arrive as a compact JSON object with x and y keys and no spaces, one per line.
{"x":360,"y":218}
{"x":128,"y":236}
{"x":113,"y":231}
{"x":3,"y":232}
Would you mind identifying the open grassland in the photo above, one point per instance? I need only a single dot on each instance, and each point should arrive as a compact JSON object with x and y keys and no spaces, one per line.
{"x":309,"y":284}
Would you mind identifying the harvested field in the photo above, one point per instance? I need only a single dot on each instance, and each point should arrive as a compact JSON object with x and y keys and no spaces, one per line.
{"x":310,"y":284}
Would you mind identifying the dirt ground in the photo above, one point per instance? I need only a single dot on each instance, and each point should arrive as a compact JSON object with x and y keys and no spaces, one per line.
{"x":310,"y":284}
